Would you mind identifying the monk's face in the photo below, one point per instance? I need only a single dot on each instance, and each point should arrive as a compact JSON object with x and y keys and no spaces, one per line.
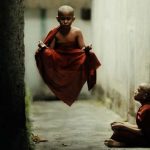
{"x":139,"y":94}
{"x":65,"y":19}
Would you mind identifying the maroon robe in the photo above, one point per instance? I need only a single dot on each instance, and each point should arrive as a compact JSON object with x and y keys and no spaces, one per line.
{"x":143,"y":120}
{"x":66,"y":68}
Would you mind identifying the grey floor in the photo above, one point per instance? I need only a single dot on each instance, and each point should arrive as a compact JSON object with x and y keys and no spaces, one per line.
{"x":83,"y":126}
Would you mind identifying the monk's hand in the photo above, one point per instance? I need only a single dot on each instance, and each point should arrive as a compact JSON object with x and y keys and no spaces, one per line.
{"x":41,"y":45}
{"x":116,"y":123}
{"x":87,"y":48}
{"x":118,"y":126}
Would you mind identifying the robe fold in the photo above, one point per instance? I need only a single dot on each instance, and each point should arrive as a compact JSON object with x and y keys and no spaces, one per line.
{"x":66,"y":68}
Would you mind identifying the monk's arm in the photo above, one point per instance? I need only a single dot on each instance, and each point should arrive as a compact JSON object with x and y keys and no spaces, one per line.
{"x":124,"y":123}
{"x":81,"y":42}
{"x":127,"y":127}
{"x":80,"y":39}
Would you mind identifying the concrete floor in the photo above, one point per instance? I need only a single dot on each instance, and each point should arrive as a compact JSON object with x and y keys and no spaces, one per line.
{"x":83,"y":126}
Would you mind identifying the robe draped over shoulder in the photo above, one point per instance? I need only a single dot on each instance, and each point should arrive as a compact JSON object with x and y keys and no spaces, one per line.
{"x":66,"y":68}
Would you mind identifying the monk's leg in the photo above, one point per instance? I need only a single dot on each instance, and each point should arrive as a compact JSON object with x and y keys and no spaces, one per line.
{"x":128,"y":138}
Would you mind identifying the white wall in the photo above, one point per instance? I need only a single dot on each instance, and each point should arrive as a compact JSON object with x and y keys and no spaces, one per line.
{"x":121,"y":37}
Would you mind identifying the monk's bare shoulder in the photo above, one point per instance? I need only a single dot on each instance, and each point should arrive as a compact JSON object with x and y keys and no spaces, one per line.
{"x":77,"y":31}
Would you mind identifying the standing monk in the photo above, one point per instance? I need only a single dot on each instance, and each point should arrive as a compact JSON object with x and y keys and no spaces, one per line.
{"x":63,"y":60}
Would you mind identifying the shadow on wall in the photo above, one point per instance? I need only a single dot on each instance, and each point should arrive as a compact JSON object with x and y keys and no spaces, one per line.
{"x":98,"y":92}
{"x":44,"y":97}
{"x":51,"y":97}
{"x":115,"y":101}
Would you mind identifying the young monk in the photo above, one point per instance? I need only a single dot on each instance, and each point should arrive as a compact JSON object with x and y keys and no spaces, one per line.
{"x":63,"y":59}
{"x":128,"y":135}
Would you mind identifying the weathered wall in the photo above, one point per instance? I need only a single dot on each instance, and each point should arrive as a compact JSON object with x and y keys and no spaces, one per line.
{"x":121,"y":37}
{"x":54,"y":4}
{"x":12,"y":88}
{"x":36,"y":28}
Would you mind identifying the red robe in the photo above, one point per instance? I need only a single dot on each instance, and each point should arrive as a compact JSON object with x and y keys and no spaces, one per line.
{"x":66,"y":68}
{"x":143,"y":120}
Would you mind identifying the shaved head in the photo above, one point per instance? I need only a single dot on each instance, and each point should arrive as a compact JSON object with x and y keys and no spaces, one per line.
{"x":65,"y":9}
{"x":145,"y":87}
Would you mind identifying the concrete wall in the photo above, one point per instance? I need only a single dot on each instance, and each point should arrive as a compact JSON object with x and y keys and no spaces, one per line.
{"x":36,"y":29}
{"x":121,"y":38}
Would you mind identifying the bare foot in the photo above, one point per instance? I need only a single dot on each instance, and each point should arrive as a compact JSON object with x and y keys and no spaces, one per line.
{"x":113,"y":143}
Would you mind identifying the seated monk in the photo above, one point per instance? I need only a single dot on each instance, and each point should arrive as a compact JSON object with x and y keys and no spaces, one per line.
{"x":63,"y":60}
{"x":130,"y":135}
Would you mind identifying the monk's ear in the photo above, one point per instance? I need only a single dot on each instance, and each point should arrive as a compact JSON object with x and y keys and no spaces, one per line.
{"x":57,"y":18}
{"x":74,"y":18}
